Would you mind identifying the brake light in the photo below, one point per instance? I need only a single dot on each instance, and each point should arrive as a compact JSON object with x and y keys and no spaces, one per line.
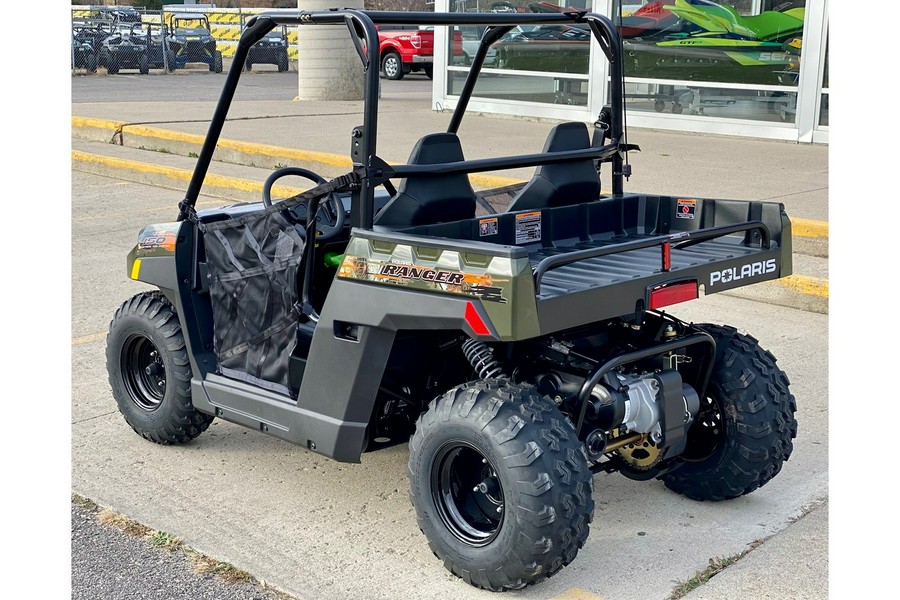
{"x":415,"y":40}
{"x":666,"y":295}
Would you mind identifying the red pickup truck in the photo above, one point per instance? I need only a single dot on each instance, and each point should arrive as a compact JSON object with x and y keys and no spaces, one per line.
{"x":405,"y":49}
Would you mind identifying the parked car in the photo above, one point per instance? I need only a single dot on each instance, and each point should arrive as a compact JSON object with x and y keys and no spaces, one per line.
{"x":272,"y":50}
{"x":405,"y":49}
{"x":191,"y":38}
{"x":138,"y":46}
{"x":470,"y":39}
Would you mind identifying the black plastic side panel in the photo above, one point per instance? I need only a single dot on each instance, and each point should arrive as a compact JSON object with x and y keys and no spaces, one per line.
{"x":270,"y":413}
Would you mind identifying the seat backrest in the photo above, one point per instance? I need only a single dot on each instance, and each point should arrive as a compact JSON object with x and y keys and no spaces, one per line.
{"x":562,"y":183}
{"x":431,"y":200}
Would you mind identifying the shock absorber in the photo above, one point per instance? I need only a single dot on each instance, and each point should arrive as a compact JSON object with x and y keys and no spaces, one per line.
{"x":481,"y":358}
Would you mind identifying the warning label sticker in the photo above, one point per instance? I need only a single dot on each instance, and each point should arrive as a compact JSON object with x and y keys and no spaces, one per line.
{"x":488,"y":227}
{"x":528,"y":227}
{"x":685,"y":208}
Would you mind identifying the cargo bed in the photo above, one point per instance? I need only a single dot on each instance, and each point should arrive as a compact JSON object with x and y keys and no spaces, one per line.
{"x":606,"y":256}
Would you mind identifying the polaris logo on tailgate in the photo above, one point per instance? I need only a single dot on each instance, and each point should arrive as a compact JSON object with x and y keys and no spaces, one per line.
{"x":737,"y":273}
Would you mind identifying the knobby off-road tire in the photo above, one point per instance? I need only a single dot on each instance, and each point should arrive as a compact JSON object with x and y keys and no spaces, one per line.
{"x":526,"y":457}
{"x":216,"y":65}
{"x":742,"y":434}
{"x":150,"y":373}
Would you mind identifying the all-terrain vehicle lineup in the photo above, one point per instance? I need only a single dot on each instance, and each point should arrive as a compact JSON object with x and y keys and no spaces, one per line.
{"x":519,"y":352}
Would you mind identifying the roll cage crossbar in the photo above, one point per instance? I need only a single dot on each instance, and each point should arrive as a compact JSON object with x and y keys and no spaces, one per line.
{"x":372,"y":170}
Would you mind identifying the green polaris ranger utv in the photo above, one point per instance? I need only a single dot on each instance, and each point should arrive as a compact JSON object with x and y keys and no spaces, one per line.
{"x":519,"y":352}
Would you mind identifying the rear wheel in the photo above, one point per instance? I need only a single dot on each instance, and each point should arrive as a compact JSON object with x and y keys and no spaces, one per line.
{"x":742,"y":434}
{"x":429,"y":71}
{"x":90,"y":63}
{"x":143,"y":64}
{"x":112,"y":65}
{"x":282,"y":63}
{"x":392,"y":66}
{"x":500,"y":484}
{"x":150,"y":373}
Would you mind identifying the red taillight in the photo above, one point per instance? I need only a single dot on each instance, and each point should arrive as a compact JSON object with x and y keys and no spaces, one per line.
{"x":479,"y":327}
{"x":673,"y":294}
{"x":666,"y":256}
{"x":415,"y":40}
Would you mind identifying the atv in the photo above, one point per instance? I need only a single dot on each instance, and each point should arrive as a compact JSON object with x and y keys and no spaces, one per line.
{"x":519,"y":351}
{"x":192,"y":41}
{"x":141,"y":46}
{"x":272,"y":50}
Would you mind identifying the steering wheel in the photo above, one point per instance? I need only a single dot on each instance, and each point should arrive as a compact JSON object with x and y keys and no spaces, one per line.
{"x":330,"y":215}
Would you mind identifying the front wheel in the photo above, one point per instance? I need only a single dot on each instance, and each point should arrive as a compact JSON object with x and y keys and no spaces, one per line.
{"x":216,"y":65}
{"x":742,"y":433}
{"x":282,"y":63}
{"x":150,"y":373}
{"x":500,"y":484}
{"x":143,"y":65}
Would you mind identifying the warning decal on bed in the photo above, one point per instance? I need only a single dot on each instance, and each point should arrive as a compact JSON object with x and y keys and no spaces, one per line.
{"x":528,"y":227}
{"x":686,"y":208}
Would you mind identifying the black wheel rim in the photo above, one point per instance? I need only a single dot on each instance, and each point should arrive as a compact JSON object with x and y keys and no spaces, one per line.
{"x":707,"y":432}
{"x":467,"y":493}
{"x":143,"y":372}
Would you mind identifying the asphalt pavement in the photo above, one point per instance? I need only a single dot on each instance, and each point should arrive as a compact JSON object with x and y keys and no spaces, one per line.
{"x":315,"y":528}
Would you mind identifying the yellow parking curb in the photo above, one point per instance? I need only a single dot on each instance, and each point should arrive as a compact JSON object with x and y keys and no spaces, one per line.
{"x":805,"y":284}
{"x":179,"y":176}
{"x":267,"y":150}
{"x":809,"y":228}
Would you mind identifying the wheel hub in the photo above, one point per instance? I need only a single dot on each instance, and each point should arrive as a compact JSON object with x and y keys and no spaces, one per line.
{"x":143,"y":372}
{"x":467,"y":493}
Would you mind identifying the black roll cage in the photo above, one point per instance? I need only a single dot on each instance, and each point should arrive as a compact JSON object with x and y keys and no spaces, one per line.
{"x":372,"y":170}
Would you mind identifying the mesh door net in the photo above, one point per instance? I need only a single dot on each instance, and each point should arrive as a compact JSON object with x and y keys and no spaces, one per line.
{"x":253,"y":267}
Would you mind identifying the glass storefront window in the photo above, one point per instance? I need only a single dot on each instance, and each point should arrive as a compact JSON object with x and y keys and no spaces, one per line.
{"x":550,"y":89}
{"x":759,"y":105}
{"x":751,"y":46}
{"x":823,"y":101}
{"x":530,"y":63}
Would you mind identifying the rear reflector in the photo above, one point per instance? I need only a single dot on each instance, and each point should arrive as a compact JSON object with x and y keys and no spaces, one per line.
{"x":673,"y":294}
{"x":479,"y":327}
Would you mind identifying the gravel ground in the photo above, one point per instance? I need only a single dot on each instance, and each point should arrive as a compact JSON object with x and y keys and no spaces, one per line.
{"x":111,"y":564}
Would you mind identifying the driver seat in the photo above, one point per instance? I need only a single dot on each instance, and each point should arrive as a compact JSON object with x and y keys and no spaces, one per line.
{"x":432,"y":199}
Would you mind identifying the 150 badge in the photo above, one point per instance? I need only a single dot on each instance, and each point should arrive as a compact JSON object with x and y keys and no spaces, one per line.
{"x":753,"y":269}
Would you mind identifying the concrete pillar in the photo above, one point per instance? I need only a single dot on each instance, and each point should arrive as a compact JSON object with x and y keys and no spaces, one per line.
{"x":329,"y":66}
